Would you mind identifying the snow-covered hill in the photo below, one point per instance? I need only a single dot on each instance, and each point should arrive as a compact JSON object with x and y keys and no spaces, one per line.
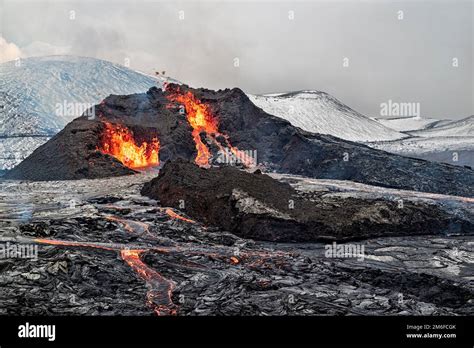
{"x":319,"y":112}
{"x":460,"y":128}
{"x":42,"y":94}
{"x":449,"y":142}
{"x":452,"y":150}
{"x":31,"y":93}
{"x":407,"y":124}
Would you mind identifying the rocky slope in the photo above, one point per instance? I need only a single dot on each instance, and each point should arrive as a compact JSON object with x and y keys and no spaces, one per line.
{"x":259,"y":207}
{"x":70,"y":154}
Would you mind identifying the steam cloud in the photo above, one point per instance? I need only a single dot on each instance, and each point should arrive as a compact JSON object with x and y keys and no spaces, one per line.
{"x":8,"y":51}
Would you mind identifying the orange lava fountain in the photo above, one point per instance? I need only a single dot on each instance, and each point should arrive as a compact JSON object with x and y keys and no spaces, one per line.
{"x":201,"y":119}
{"x":118,"y":141}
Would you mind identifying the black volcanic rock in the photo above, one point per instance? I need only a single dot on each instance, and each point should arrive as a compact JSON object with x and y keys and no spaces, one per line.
{"x":256,"y":206}
{"x":279,"y":146}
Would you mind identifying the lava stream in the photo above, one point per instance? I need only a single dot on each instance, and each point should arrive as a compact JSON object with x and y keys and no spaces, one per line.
{"x":174,"y":215}
{"x":161,"y":289}
{"x":217,"y":252}
{"x":95,"y":245}
{"x":159,"y":294}
{"x":201,"y":119}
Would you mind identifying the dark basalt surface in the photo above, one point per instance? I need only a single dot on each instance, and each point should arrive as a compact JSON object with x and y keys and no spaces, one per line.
{"x":280,"y":146}
{"x":408,"y":275}
{"x":259,"y":207}
{"x":71,"y":282}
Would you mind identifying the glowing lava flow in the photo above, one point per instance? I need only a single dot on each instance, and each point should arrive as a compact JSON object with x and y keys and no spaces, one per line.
{"x":160,"y":289}
{"x":159,"y":295}
{"x":174,"y":215}
{"x":102,"y":246}
{"x":201,"y":119}
{"x":118,"y":141}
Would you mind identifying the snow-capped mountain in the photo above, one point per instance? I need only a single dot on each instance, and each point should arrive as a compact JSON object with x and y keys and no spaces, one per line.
{"x":40,"y":95}
{"x":320,"y":112}
{"x":408,"y":124}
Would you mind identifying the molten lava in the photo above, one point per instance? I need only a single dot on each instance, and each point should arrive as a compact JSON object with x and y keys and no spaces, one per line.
{"x":160,"y":288}
{"x":159,"y":294}
{"x":174,"y":215}
{"x":118,"y":141}
{"x":201,"y":119}
{"x":103,"y":246}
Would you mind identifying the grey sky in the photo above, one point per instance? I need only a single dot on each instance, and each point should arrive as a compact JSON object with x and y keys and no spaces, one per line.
{"x":407,"y":60}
